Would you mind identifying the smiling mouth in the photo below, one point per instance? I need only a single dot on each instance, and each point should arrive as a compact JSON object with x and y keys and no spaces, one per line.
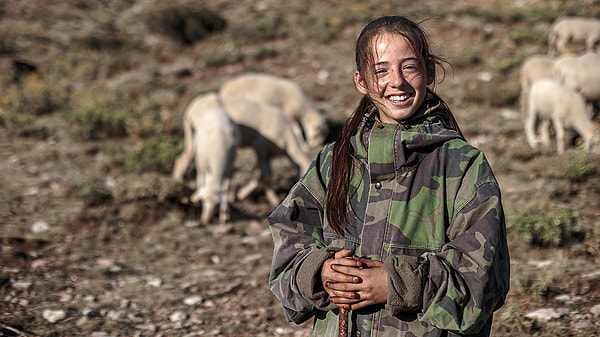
{"x":399,"y":98}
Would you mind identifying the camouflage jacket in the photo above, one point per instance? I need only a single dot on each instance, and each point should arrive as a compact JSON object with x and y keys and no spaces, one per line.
{"x":424,"y":202}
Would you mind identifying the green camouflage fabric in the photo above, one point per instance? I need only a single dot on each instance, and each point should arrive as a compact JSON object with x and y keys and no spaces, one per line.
{"x":424,"y":202}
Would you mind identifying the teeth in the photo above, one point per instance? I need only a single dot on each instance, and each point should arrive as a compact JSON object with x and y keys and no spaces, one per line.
{"x":398,"y":98}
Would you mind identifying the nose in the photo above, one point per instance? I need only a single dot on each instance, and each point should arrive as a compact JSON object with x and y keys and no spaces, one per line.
{"x":397,"y":78}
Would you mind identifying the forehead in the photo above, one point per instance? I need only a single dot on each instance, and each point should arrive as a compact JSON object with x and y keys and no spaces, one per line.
{"x":388,"y":46}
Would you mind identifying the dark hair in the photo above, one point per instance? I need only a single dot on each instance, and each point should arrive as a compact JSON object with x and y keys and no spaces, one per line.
{"x":343,"y":154}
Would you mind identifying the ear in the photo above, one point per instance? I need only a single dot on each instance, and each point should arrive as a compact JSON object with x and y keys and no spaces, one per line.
{"x":430,"y":71}
{"x":360,"y":84}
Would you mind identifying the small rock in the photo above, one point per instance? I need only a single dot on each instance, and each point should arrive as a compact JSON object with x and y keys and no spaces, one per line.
{"x":155,"y":282}
{"x":485,"y":76}
{"x":148,"y":327}
{"x":563,"y":298}
{"x":32,"y":191}
{"x":544,"y":315}
{"x":192,"y":223}
{"x":177,"y":316}
{"x":595,"y":310}
{"x":193,"y":300}
{"x":40,"y":226}
{"x":54,"y":316}
{"x":21,"y":285}
{"x":100,"y":334}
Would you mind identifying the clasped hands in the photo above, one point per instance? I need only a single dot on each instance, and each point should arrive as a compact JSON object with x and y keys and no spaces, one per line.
{"x":354,"y":282}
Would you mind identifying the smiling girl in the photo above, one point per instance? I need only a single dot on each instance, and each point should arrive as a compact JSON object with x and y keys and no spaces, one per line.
{"x":398,"y":224}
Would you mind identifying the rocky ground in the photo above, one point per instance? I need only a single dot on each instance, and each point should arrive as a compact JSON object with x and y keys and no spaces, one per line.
{"x":139,"y":264}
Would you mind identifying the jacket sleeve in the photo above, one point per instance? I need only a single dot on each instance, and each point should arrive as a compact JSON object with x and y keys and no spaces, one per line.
{"x":468,"y":279}
{"x":299,"y":249}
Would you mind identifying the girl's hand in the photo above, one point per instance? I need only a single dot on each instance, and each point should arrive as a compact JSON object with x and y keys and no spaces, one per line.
{"x":353,"y":282}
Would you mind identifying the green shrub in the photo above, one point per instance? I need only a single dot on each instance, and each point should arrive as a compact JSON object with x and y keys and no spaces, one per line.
{"x":263,"y":29}
{"x":527,"y":36}
{"x":507,"y":64}
{"x":580,"y":170}
{"x":95,"y":194}
{"x":99,"y":120}
{"x":157,"y":154}
{"x":551,"y":229}
{"x":223,"y":58}
{"x":330,"y":25}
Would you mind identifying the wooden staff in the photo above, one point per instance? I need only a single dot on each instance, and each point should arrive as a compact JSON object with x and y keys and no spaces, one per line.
{"x":343,"y":323}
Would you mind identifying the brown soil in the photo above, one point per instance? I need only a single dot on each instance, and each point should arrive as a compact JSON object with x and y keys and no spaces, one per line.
{"x":140,"y":265}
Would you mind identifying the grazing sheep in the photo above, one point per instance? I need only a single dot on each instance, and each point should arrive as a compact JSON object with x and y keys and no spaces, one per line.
{"x":289,"y":98}
{"x":212,"y":138}
{"x":574,"y":29}
{"x":534,"y":68}
{"x":268,"y":132}
{"x":550,"y":100}
{"x":581,"y":73}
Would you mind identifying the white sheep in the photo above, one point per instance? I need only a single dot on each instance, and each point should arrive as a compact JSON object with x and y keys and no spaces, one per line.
{"x":212,"y":138}
{"x":551,"y":101}
{"x":309,"y":126}
{"x":269,"y":133}
{"x":574,"y":29}
{"x":533,"y":68}
{"x":581,"y":73}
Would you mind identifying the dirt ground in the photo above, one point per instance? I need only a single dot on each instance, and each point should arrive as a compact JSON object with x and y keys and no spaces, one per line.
{"x":140,"y":265}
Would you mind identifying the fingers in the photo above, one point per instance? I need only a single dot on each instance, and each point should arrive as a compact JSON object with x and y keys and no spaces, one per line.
{"x":340,"y":254}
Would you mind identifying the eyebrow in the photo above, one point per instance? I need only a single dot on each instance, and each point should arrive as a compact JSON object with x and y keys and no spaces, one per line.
{"x":401,"y":61}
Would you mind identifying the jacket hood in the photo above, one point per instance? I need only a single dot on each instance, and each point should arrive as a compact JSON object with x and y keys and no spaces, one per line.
{"x":404,"y":144}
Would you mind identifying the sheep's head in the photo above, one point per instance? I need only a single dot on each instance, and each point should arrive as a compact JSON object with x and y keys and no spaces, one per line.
{"x":315,"y":129}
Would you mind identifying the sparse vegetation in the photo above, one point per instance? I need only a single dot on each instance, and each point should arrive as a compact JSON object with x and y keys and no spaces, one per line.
{"x":507,"y":64}
{"x":547,"y":229}
{"x":521,"y":37}
{"x":89,"y":141}
{"x":332,"y":24}
{"x":99,"y":120}
{"x":95,"y":193}
{"x":583,"y":168}
{"x":223,"y":58}
{"x":263,"y":29}
{"x":157,"y":154}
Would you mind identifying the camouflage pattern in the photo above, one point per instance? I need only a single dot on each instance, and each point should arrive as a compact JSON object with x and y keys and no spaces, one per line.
{"x":419,"y":193}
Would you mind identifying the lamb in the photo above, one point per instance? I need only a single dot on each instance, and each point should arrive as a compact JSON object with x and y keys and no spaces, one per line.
{"x":581,"y":73}
{"x":267,"y":130}
{"x":533,"y":68}
{"x":212,"y":138}
{"x":550,"y":100}
{"x":574,"y":29}
{"x":289,"y":98}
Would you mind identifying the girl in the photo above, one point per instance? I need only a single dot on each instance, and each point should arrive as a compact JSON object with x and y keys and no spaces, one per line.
{"x":398,"y":226}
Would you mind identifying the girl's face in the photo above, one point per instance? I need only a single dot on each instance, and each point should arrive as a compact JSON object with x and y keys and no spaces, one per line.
{"x":396,"y":81}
